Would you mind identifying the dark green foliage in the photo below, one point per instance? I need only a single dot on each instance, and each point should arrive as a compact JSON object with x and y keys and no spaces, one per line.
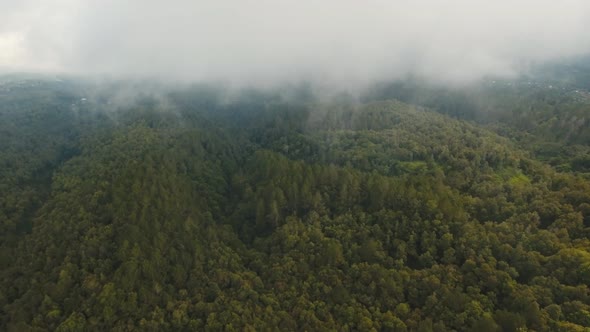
{"x":203,"y":215}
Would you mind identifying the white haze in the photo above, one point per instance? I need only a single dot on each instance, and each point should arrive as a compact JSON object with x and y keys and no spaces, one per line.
{"x":340,"y":42}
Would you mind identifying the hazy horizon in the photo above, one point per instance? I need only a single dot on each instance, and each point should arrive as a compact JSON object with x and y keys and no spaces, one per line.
{"x":266,"y":42}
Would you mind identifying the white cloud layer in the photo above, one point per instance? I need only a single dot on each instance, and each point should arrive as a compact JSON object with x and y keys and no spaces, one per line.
{"x":266,"y":41}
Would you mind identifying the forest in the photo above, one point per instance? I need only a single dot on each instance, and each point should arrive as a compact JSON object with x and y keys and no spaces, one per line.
{"x":410,"y":208}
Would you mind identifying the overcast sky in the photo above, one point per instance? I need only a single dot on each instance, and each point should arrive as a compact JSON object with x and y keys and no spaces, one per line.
{"x":273,"y":40}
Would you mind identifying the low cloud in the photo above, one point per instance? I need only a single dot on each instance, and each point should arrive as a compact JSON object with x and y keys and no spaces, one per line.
{"x":263,"y":42}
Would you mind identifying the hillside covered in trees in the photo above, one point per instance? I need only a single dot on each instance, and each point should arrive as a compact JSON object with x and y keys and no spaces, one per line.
{"x":194,"y":209}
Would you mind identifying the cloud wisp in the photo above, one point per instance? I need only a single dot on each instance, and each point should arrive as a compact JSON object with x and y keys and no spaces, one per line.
{"x":270,"y":41}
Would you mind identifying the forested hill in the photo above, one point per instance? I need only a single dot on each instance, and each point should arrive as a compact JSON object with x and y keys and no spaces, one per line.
{"x":548,"y":117}
{"x":199,"y":212}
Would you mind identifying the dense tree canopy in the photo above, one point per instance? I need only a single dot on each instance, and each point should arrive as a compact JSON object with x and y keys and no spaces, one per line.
{"x":274,"y":212}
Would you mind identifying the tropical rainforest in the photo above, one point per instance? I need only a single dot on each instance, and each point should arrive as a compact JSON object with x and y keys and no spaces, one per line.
{"x":135,"y":207}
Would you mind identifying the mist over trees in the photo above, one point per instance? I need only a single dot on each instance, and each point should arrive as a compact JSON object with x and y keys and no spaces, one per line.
{"x":269,"y":165}
{"x":198,"y":209}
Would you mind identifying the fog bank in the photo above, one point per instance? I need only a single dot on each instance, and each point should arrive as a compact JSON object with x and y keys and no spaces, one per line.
{"x":266,"y":42}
